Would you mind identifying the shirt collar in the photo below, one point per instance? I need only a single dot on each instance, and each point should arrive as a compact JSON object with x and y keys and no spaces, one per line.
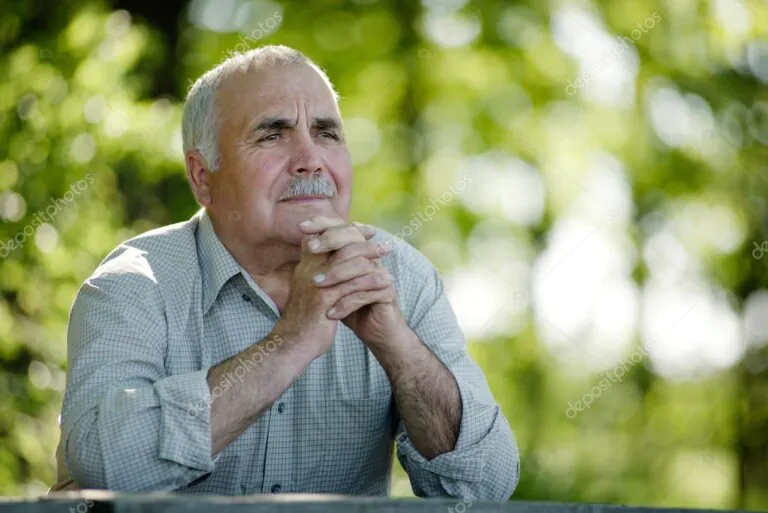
{"x":217,"y":265}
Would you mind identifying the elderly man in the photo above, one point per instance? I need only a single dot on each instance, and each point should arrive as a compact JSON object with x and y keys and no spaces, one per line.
{"x":266,"y":345}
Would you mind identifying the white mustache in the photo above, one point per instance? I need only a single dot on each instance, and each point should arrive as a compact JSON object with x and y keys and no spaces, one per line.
{"x":317,"y":186}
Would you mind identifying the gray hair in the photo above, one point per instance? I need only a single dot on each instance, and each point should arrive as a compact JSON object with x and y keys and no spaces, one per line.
{"x":200,"y":122}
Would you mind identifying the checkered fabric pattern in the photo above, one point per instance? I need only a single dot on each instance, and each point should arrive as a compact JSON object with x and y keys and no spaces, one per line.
{"x":167,"y":305}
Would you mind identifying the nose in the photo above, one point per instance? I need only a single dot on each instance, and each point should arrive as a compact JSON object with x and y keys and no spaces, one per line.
{"x":306,"y":158}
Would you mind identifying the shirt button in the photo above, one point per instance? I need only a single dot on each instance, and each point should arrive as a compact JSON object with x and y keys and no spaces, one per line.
{"x":276,"y":488}
{"x":247,"y":298}
{"x":281,"y":408}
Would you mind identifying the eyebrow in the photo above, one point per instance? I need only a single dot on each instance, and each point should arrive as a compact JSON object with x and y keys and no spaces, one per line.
{"x":274,"y":123}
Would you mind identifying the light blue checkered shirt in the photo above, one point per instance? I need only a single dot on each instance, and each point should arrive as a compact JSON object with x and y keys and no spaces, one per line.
{"x":167,"y":305}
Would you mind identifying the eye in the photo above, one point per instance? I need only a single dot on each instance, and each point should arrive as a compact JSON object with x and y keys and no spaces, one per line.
{"x":270,"y":137}
{"x":330,"y":134}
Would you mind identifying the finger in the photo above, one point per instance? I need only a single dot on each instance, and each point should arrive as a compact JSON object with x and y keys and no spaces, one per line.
{"x":305,"y":243}
{"x":335,"y":238}
{"x":367,"y":230}
{"x":319,"y":224}
{"x":353,"y":302}
{"x":378,"y":279}
{"x":368,"y":249}
{"x":345,"y":271}
{"x":387,"y":246}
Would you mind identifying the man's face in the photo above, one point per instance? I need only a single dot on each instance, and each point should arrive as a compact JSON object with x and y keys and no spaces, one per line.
{"x":278,"y":126}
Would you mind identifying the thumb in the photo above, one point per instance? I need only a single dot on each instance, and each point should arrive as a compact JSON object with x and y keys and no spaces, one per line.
{"x":305,"y":244}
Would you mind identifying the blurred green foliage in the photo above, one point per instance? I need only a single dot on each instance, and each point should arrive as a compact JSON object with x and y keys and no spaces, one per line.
{"x":659,"y":151}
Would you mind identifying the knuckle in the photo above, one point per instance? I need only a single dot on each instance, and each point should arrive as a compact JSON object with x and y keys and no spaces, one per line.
{"x":348,"y":252}
{"x":382,"y":278}
{"x":353,"y":233}
{"x":375,"y":249}
{"x":373,"y":279}
{"x":342,"y":254}
{"x":328,"y":235}
{"x":343,"y":305}
{"x":360,"y":262}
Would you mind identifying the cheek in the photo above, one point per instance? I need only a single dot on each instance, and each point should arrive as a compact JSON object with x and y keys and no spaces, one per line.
{"x":263,"y":172}
{"x":341,"y":170}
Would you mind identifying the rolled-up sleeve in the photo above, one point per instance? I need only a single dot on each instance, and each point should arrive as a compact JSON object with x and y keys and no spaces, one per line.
{"x":484,"y":464}
{"x":126,"y":425}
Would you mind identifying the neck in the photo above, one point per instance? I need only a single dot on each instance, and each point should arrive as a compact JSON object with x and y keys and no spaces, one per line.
{"x":270,"y":263}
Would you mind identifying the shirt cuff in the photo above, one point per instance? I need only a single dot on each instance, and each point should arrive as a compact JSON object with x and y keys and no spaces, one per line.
{"x":185,"y":420}
{"x":466,"y":461}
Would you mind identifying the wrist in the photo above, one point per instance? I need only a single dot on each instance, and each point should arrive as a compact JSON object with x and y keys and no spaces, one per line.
{"x":300,"y":340}
{"x":396,"y":343}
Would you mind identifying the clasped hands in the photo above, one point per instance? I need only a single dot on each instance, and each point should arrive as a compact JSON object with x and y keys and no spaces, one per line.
{"x":340,"y":278}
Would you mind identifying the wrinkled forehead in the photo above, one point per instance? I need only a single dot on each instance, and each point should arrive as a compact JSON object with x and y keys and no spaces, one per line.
{"x":276,"y":91}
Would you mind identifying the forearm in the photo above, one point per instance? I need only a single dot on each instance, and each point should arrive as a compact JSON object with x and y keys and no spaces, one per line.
{"x":244,"y":386}
{"x":426,"y":393}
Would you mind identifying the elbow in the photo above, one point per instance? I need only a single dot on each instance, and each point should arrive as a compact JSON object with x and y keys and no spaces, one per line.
{"x":502,"y":471}
{"x":514,"y":473}
{"x":83,"y":456}
{"x":87,"y":463}
{"x":87,"y":477}
{"x":510,"y":464}
{"x":123,"y":463}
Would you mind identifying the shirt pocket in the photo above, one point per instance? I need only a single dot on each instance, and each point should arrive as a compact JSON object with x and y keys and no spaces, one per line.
{"x":357,"y":375}
{"x":367,"y":415}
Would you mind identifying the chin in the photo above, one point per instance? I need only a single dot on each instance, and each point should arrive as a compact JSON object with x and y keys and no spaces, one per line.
{"x":297,"y":211}
{"x":288,"y":233}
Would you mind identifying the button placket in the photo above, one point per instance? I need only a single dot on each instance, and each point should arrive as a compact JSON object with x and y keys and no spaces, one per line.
{"x":280,"y":438}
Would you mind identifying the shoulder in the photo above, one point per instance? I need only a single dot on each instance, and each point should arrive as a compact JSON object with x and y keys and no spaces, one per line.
{"x":144,"y":265}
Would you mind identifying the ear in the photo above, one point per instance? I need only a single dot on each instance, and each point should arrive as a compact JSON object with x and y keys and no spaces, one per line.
{"x":198,"y":175}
